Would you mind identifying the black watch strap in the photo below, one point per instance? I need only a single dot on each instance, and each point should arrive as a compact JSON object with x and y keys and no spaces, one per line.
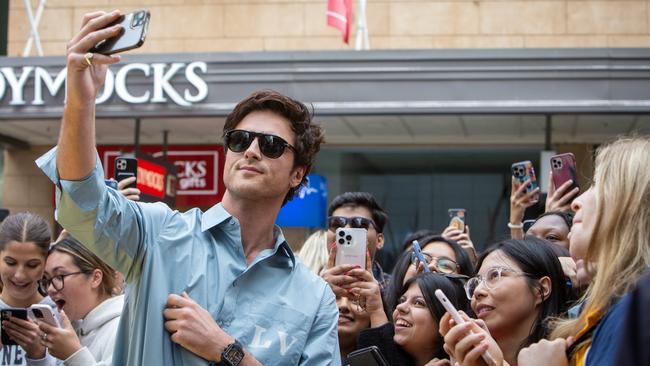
{"x":233,"y":354}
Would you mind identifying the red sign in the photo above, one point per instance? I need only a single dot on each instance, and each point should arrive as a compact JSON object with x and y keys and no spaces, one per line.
{"x":151,"y":178}
{"x":199,"y":171}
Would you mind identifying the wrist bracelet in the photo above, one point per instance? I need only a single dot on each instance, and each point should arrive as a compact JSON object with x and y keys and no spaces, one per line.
{"x":516,"y":226}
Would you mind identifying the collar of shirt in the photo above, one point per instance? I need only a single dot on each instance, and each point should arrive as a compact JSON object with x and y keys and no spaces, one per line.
{"x":217,"y":215}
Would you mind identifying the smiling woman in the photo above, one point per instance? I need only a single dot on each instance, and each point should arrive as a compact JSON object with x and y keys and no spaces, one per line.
{"x":24,"y":241}
{"x":413,"y":337}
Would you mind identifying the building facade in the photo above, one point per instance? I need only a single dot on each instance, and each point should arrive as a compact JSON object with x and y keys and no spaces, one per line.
{"x":452,"y":93}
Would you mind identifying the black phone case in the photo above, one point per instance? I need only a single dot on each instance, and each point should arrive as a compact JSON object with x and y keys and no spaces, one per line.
{"x":4,"y":315}
{"x":125,"y":168}
{"x":369,"y":356}
{"x":134,"y":32}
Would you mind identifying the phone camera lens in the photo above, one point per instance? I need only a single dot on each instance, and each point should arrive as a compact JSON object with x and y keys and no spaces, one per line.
{"x":37,"y":313}
{"x":341,"y":233}
{"x":341,"y":241}
{"x":138,"y":19}
{"x":348,"y":238}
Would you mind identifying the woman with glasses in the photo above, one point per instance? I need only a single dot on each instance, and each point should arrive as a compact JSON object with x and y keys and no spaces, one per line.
{"x":518,"y":286}
{"x":84,"y":290}
{"x":24,"y":242}
{"x":442,"y":256}
{"x":412,"y":338}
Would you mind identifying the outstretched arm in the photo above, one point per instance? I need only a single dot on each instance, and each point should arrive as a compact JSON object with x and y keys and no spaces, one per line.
{"x":86,"y":75}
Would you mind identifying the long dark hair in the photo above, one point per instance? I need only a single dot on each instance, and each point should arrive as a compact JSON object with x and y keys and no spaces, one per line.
{"x":536,"y":258}
{"x":451,"y":285}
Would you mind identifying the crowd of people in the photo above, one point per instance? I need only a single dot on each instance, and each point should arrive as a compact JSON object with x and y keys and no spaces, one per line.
{"x":567,"y":290}
{"x":133,"y":283}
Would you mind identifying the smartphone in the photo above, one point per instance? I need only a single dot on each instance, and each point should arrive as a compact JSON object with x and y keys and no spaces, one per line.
{"x":351,"y":246}
{"x":563,"y":167}
{"x":5,"y":314}
{"x":133,"y":34}
{"x":43,"y":313}
{"x":369,"y":356}
{"x":524,"y":170}
{"x":487,"y":357}
{"x":457,"y":218}
{"x":125,"y":168}
{"x":418,"y":253}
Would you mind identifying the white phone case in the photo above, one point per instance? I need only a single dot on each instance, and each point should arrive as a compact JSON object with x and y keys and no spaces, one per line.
{"x":351,"y":246}
{"x":44,"y":313}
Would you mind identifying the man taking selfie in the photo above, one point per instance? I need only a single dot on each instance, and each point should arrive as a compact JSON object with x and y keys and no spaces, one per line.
{"x":214,"y":287}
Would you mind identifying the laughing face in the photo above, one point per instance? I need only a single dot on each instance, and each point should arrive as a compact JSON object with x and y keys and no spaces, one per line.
{"x":416,"y":331}
{"x":21,"y":267}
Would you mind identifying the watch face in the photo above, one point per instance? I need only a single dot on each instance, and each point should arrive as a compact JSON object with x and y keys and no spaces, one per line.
{"x":233,"y":354}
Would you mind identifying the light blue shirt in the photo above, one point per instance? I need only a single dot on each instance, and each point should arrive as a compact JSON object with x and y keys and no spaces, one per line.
{"x":278,"y":310}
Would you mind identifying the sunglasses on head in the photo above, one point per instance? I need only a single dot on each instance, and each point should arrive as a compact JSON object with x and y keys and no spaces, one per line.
{"x":357,"y":222}
{"x":270,"y":145}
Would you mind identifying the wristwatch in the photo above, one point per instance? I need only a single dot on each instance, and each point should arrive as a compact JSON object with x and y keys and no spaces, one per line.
{"x":233,"y":354}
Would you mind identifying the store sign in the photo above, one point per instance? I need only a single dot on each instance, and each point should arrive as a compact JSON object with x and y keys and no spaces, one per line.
{"x":198,"y":171}
{"x":151,"y":178}
{"x":16,"y":82}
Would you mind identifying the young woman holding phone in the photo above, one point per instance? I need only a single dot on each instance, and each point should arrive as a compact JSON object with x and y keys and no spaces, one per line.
{"x":518,"y":286}
{"x":412,"y":338}
{"x":24,"y":242}
{"x":85,"y":291}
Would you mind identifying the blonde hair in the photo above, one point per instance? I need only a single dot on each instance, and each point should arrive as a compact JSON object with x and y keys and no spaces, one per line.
{"x":314,"y":251}
{"x":620,"y":245}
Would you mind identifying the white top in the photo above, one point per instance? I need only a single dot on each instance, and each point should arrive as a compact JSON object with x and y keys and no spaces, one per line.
{"x":97,"y":334}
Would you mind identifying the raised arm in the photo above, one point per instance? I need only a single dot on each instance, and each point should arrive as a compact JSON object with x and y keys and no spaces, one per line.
{"x":86,"y":75}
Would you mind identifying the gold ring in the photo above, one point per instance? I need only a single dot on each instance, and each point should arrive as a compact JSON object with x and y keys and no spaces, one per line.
{"x":89,"y":58}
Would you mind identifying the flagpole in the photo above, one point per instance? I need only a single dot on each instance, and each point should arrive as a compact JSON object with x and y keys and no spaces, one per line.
{"x":362,"y":41}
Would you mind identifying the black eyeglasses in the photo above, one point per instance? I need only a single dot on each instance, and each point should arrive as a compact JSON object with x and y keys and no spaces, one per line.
{"x":57,"y":281}
{"x":357,"y":222}
{"x":270,"y":145}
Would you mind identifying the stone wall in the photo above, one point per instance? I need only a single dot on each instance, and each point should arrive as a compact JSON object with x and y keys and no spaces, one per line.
{"x":258,"y":25}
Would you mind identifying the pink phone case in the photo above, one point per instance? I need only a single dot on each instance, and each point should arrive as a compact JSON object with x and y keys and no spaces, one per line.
{"x":564,"y":168}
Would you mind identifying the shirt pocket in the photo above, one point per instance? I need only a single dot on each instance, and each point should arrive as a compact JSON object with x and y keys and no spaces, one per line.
{"x":275,"y":334}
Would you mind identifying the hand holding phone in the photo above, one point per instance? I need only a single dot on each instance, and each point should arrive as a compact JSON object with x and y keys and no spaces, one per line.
{"x":125,"y":168}
{"x":134,"y":31}
{"x":418,"y":253}
{"x":523,"y":171}
{"x":487,"y":357}
{"x":5,"y":314}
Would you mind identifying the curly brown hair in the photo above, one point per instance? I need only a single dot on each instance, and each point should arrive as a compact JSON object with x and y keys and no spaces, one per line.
{"x":309,"y":136}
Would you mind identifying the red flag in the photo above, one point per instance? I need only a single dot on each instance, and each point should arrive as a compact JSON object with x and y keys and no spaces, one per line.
{"x":339,"y":16}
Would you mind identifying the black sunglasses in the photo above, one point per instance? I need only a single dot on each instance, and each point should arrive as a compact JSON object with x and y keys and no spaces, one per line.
{"x":357,"y":222}
{"x":270,"y":145}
